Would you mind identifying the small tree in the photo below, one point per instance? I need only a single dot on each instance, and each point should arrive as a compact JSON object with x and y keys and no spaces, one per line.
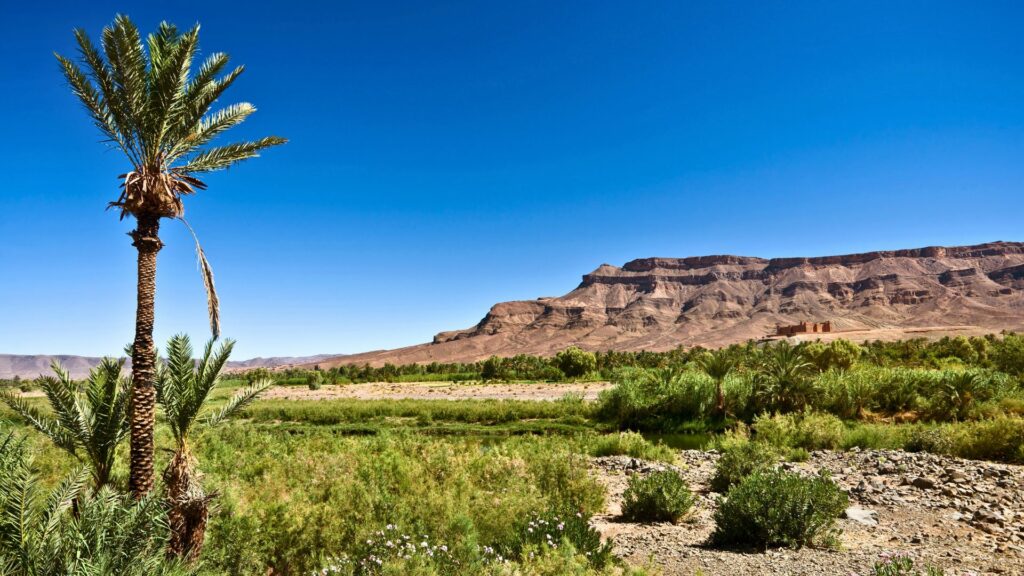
{"x":575,"y":362}
{"x":183,"y":386}
{"x":87,"y":424}
{"x":784,"y":381}
{"x":843,"y":354}
{"x":717,"y":364}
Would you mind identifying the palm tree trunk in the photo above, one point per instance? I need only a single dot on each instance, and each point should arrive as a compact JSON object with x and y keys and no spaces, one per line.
{"x":146,"y":238}
{"x":189,"y":506}
{"x":720,"y":398}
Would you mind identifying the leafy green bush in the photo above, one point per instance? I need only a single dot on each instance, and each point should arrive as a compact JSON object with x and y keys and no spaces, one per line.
{"x":631,"y":444}
{"x":543,"y":532}
{"x":778,"y":508}
{"x":953,"y":393}
{"x":315,"y":380}
{"x":808,"y":430}
{"x":660,"y":496}
{"x":575,"y":362}
{"x":741,"y":458}
{"x":657,"y":398}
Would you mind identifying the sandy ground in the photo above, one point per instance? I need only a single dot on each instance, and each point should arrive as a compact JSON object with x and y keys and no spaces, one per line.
{"x":438,"y":391}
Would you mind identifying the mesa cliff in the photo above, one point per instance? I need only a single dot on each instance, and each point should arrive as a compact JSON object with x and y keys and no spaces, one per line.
{"x":662,"y":303}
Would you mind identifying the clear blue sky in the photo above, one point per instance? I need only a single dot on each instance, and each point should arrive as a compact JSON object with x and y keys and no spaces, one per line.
{"x":445,"y":156}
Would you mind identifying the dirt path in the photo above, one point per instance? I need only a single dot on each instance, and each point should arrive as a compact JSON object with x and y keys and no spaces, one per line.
{"x":438,"y":391}
{"x":967,"y":518}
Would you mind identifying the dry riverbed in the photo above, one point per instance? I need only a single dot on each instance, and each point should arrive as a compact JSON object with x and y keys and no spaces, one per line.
{"x":964,"y":516}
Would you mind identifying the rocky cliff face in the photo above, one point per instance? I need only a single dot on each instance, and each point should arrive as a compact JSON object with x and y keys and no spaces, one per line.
{"x":661,"y":303}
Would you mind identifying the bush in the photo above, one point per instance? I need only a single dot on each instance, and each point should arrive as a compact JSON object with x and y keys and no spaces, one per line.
{"x":777,"y":508}
{"x":631,"y":444}
{"x":544,"y":532}
{"x":809,"y":430}
{"x":656,"y":398}
{"x":741,"y":458}
{"x":657,"y":497}
{"x":575,"y":362}
{"x":315,"y":380}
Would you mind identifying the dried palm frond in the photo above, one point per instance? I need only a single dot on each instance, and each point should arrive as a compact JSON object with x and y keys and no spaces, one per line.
{"x":212,"y":301}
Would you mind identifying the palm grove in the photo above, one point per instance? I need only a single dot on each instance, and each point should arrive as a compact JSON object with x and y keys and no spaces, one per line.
{"x":152,"y":104}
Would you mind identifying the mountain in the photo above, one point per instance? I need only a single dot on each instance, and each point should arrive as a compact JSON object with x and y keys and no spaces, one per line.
{"x":662,"y":303}
{"x":31,"y":366}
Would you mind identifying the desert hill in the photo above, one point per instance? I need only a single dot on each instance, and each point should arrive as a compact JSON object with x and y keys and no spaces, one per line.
{"x":662,"y":303}
{"x":32,"y":365}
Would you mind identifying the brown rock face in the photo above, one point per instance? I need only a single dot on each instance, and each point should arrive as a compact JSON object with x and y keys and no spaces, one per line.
{"x":662,"y":303}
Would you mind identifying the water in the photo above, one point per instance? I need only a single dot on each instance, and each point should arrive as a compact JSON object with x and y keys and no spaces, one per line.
{"x":680,"y":440}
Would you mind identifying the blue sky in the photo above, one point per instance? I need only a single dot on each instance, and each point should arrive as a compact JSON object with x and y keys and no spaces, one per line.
{"x":445,"y":156}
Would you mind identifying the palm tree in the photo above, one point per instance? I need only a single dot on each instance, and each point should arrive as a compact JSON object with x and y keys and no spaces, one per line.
{"x":183,"y":389}
{"x":72,"y":532}
{"x":784,"y":381}
{"x":717,"y":364}
{"x":149,"y":103}
{"x":87,"y":424}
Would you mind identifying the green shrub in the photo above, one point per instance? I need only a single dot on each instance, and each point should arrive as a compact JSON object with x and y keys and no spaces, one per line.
{"x":1001,"y":439}
{"x":808,"y":430}
{"x":315,"y":380}
{"x":953,"y":393}
{"x":575,"y":362}
{"x":901,"y":564}
{"x":797,"y":455}
{"x":741,"y":458}
{"x":777,"y":508}
{"x":631,"y":444}
{"x":549,"y":530}
{"x":660,"y":496}
{"x":657,"y":399}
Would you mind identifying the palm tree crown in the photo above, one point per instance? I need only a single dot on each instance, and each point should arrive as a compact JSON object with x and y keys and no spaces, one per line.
{"x":148,"y":102}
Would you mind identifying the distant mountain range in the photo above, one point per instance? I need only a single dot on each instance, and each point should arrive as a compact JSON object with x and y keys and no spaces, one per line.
{"x":31,"y":366}
{"x":662,"y":303}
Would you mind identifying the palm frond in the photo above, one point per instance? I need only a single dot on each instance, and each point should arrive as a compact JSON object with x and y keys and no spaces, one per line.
{"x":212,"y":300}
{"x":47,"y":426}
{"x":213,"y":125}
{"x":238,"y":401}
{"x":61,"y":500}
{"x":224,"y":156}
{"x":113,"y":98}
{"x":123,"y":48}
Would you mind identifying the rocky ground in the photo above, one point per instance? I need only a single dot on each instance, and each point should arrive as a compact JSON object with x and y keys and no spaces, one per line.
{"x":962,"y":515}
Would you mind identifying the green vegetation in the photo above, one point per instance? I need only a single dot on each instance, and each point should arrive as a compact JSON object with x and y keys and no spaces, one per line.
{"x":902,"y":564}
{"x":778,"y":508}
{"x":149,"y":102}
{"x":70,"y":530}
{"x":741,"y":458}
{"x":310,"y":486}
{"x":88,"y":425}
{"x":630,"y":444}
{"x":660,"y":496}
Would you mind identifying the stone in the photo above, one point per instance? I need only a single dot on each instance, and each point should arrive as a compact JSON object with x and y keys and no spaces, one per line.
{"x":861,"y":516}
{"x":923,"y":482}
